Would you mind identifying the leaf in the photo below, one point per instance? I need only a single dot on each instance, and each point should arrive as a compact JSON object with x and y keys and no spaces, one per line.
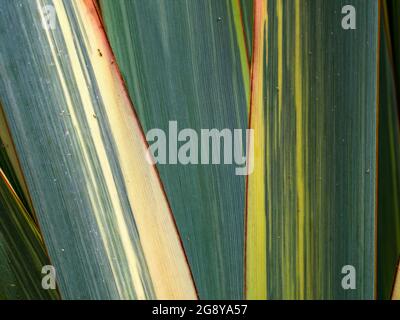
{"x":311,"y":199}
{"x":389,"y":170}
{"x":246,"y":7}
{"x":22,"y":253}
{"x":9,"y":163}
{"x":186,"y":61}
{"x":101,"y":207}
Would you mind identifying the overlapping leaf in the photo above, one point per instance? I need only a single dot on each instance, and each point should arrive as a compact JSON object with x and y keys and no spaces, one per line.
{"x":100,"y":205}
{"x":10,"y":165}
{"x":388,"y":246}
{"x":186,"y":61}
{"x":22,"y":252}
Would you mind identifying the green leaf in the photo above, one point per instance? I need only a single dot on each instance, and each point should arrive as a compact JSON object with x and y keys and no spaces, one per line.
{"x":9,"y":163}
{"x":101,"y":207}
{"x":186,"y":61}
{"x":389,"y":170}
{"x":311,"y":199}
{"x":22,"y":252}
{"x":247,"y":15}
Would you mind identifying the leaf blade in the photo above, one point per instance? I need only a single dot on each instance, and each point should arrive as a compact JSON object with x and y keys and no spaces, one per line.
{"x":185,"y":61}
{"x":22,"y":250}
{"x":319,"y":192}
{"x":105,"y":219}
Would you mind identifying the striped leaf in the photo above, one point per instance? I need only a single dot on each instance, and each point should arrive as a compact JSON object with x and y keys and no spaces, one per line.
{"x":186,"y":61}
{"x":10,"y":165}
{"x":247,"y":15}
{"x":104,"y":216}
{"x":311,"y":199}
{"x":22,"y":252}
